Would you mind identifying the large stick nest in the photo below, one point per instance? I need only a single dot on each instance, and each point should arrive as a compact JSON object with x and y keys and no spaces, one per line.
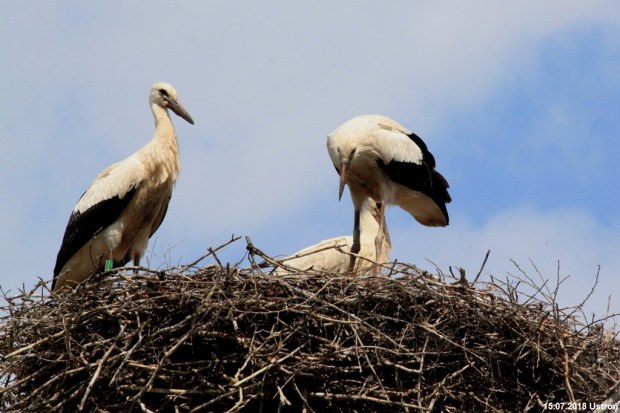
{"x":224,"y":338}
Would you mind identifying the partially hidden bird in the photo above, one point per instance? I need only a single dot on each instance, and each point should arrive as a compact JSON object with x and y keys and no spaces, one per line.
{"x":124,"y":206}
{"x":378,"y":158}
{"x":333,"y":255}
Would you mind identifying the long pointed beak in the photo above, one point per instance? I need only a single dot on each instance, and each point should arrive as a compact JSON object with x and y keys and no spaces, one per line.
{"x":344,"y":171}
{"x":177,"y":108}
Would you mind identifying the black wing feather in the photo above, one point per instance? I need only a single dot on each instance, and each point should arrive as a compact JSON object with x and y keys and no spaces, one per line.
{"x":83,"y":226}
{"x":420,"y":177}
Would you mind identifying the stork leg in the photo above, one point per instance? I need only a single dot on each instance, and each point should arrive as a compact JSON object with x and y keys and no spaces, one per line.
{"x":109,"y":263}
{"x":380,"y":236}
{"x":136,"y":261}
{"x":355,"y":248}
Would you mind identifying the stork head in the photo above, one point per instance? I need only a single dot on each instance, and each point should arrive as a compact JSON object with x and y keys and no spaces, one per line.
{"x":350,"y":140}
{"x":342,"y":152}
{"x":164,"y":95}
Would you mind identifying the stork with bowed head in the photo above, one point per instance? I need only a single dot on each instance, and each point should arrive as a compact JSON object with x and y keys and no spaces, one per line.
{"x":332,"y":255}
{"x":378,"y":158}
{"x":126,"y":203}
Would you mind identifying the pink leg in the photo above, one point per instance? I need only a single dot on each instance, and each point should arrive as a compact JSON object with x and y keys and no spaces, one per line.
{"x":380,"y":236}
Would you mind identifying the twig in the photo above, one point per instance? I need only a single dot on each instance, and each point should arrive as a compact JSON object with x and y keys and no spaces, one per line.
{"x":571,"y":394}
{"x":96,"y":375}
{"x":484,"y":262}
{"x":613,"y":395}
{"x":304,"y":399}
{"x":275,"y":363}
{"x":371,"y":399}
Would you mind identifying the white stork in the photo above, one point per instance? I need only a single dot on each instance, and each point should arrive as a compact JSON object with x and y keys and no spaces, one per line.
{"x":332,"y":254}
{"x":126,"y":203}
{"x":378,"y":158}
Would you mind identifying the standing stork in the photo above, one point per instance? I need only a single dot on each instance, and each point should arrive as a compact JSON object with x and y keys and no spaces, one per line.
{"x":126,"y":203}
{"x":333,"y":254}
{"x":378,"y":158}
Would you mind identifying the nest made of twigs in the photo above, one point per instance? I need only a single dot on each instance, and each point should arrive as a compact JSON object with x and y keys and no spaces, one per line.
{"x":223,"y":338}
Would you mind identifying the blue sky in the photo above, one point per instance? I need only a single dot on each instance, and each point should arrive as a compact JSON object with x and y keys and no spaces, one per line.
{"x":518,"y":101}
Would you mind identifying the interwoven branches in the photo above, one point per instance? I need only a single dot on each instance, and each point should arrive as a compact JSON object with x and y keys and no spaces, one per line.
{"x":222,"y":338}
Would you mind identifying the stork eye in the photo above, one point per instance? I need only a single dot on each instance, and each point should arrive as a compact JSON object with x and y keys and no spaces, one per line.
{"x":163,"y":92}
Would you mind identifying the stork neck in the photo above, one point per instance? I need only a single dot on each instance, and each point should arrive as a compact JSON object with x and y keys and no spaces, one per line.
{"x":166,"y":138}
{"x":163,"y":123}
